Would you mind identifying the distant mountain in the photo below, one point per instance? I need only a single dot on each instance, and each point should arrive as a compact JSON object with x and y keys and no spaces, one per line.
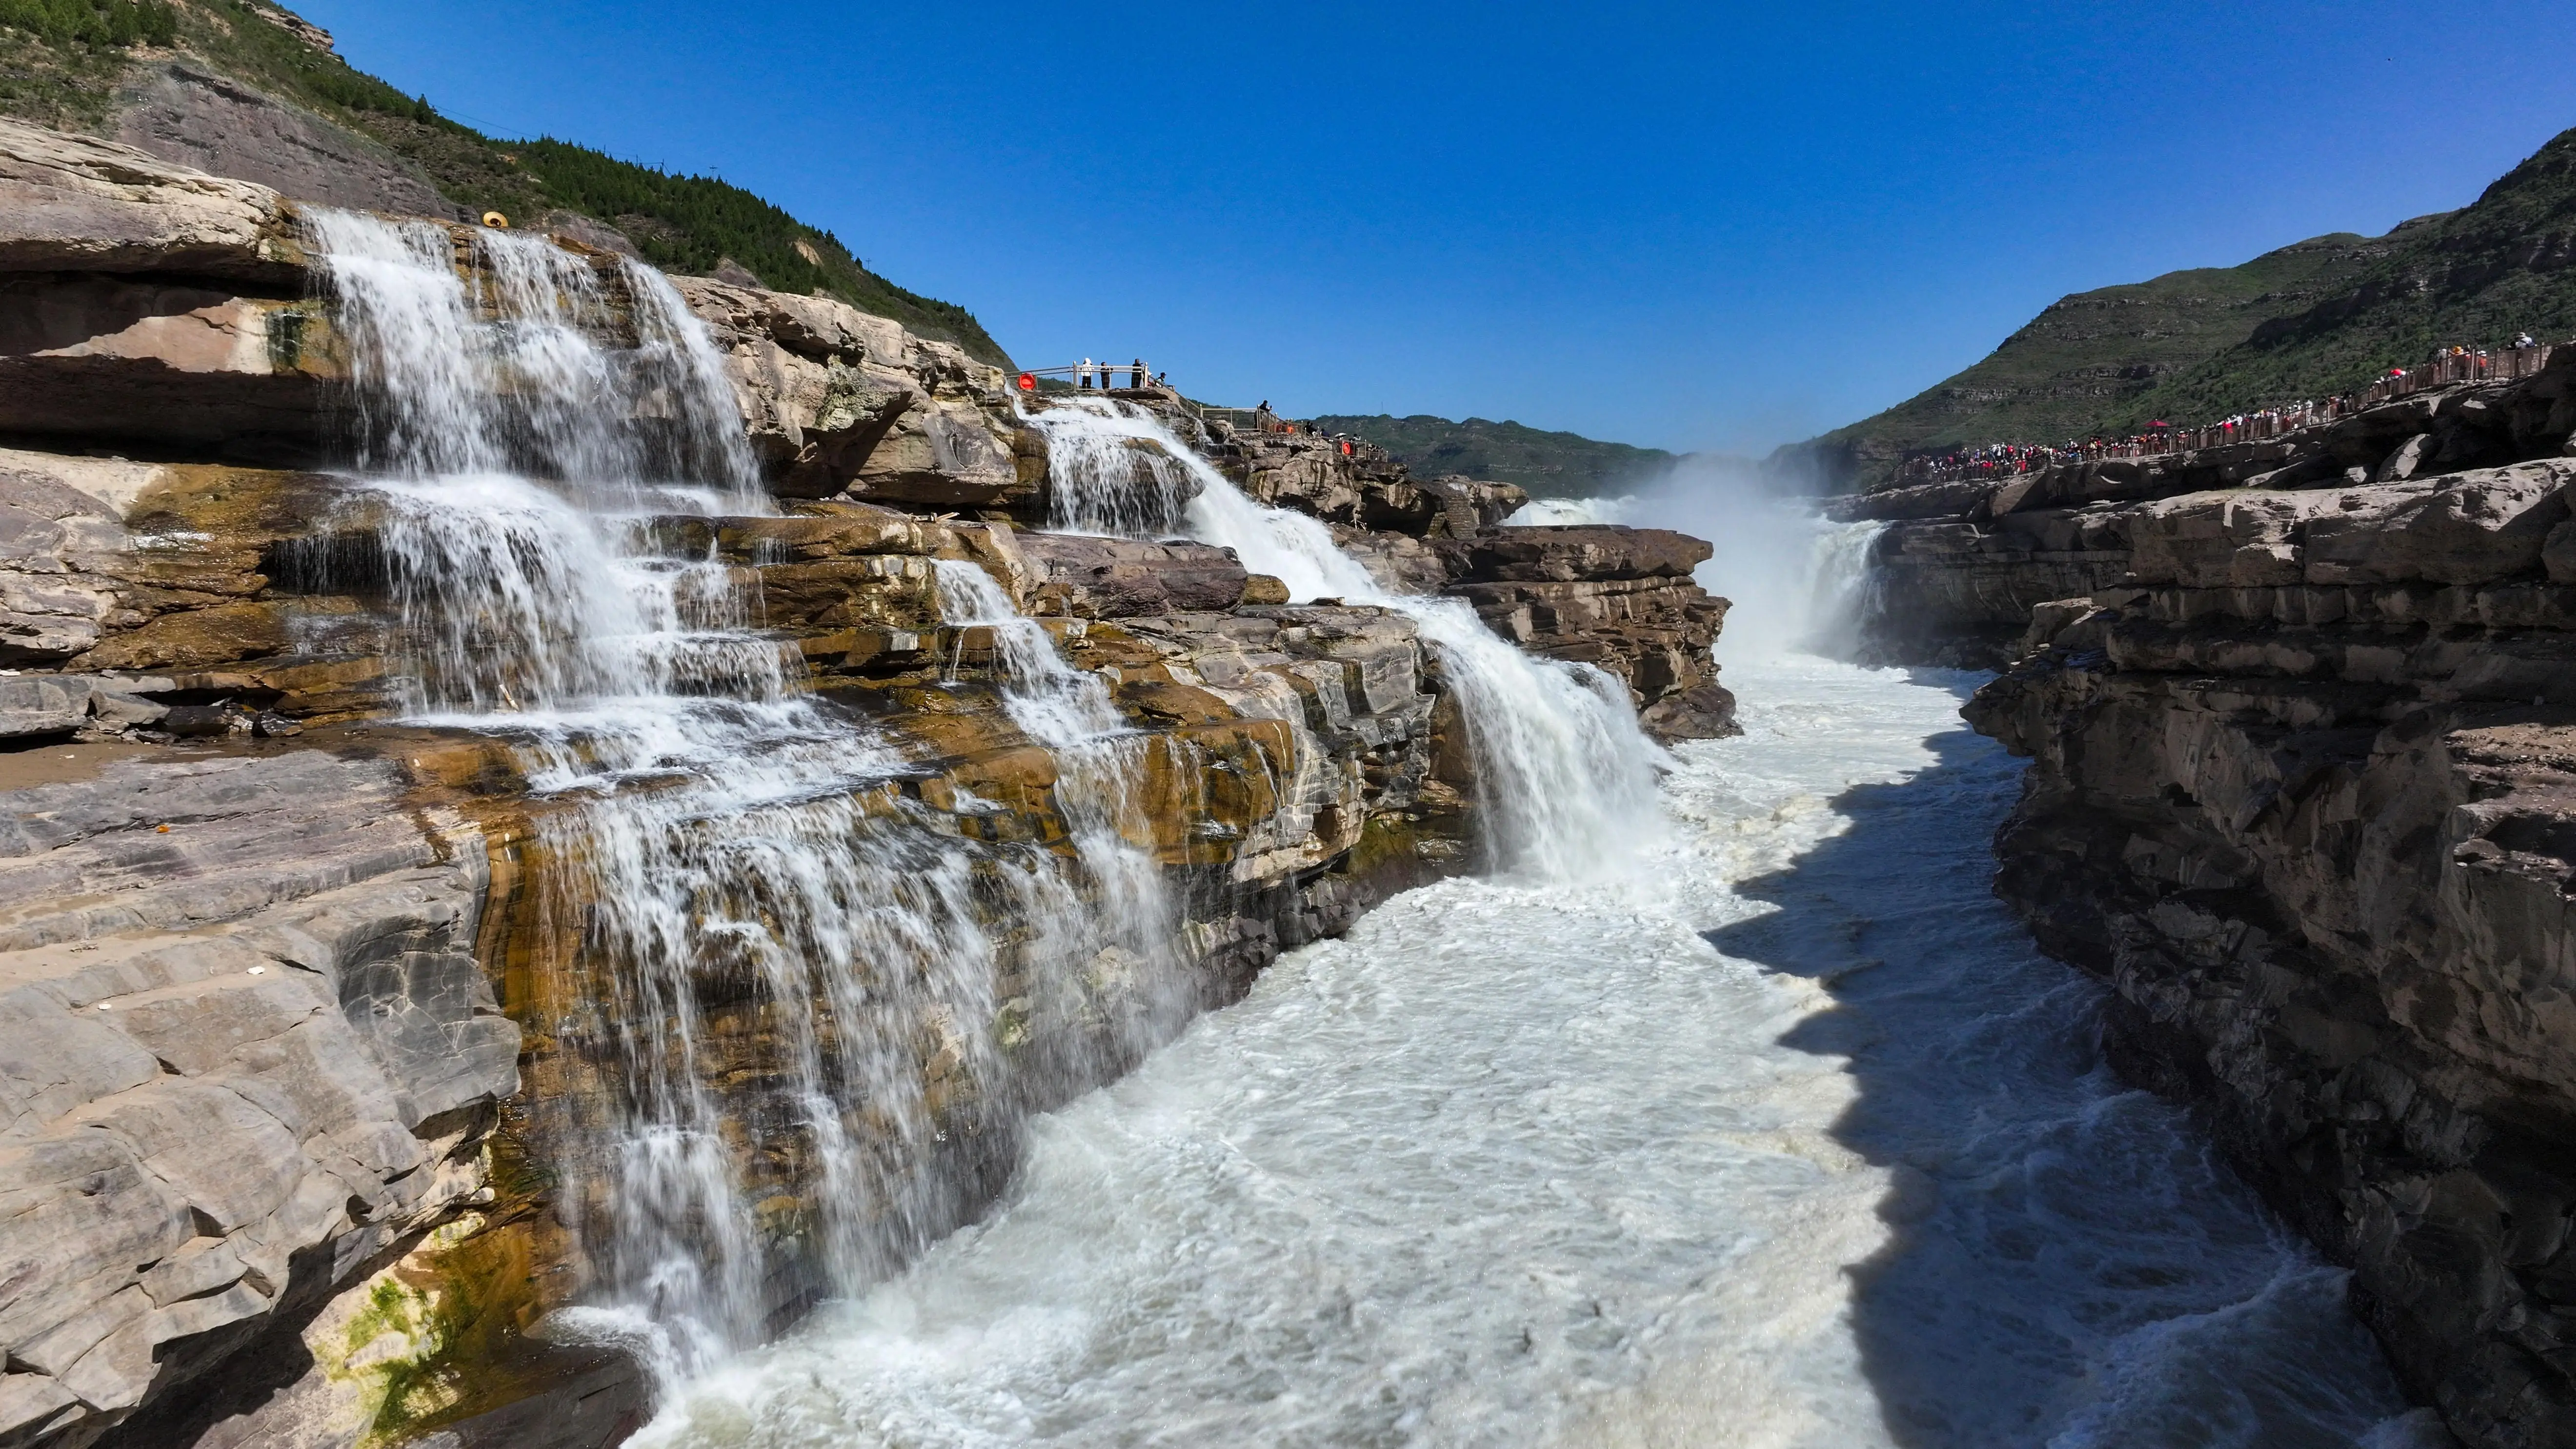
{"x":2506,"y":263}
{"x":1549,"y":465}
{"x":2305,"y":321}
{"x":2092,"y":356}
{"x":249,"y":89}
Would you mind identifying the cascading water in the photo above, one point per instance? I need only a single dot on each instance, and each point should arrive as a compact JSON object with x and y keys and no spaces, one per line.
{"x":768,"y":936}
{"x":1522,"y":1162}
{"x":1099,"y":759}
{"x":1793,"y":1142}
{"x":1565,"y":778}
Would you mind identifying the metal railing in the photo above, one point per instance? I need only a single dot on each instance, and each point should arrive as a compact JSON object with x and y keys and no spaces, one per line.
{"x":1100,"y":375}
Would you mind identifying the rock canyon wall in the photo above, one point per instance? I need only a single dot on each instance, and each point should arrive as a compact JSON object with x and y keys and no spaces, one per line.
{"x":2302,"y":723}
{"x":340,"y":1025}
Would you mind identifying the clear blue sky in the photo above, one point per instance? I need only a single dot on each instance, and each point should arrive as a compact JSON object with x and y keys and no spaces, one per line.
{"x":1723,"y":226}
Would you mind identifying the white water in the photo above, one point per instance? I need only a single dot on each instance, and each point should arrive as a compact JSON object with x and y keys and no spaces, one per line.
{"x":777,"y":953}
{"x":1799,"y":586}
{"x":1529,"y":1161}
{"x":733,"y":855}
{"x":1565,"y":783}
{"x":1792,"y":1141}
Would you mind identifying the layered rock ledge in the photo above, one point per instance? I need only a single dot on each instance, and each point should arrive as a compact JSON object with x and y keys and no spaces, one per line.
{"x":2302,"y":725}
{"x":284,"y":1070}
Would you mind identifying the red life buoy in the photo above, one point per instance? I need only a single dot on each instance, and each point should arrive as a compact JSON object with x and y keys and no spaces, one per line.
{"x":1028,"y":382}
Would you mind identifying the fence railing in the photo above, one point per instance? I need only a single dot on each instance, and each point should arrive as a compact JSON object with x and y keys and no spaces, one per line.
{"x":2446,"y":368}
{"x":1102,"y":375}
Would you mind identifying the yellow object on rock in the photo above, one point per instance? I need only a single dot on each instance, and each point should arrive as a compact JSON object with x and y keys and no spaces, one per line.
{"x":496,"y":220}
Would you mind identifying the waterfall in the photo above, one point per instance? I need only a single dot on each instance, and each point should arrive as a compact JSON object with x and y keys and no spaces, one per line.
{"x":776,"y":997}
{"x":1099,"y":762}
{"x":1843,"y":598}
{"x":1112,"y":470}
{"x":1565,"y":778}
{"x":501,"y":369}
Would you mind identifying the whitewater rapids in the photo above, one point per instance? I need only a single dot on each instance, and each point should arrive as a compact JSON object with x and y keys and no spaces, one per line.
{"x":1789,"y":1140}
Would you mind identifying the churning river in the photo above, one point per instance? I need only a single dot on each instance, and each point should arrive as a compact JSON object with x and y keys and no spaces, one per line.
{"x":1732,"y":1112}
{"x":1778,"y":1134}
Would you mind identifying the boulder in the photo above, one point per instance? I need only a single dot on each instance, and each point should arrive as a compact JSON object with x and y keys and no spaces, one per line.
{"x":1111,"y":578}
{"x":1569,"y":552}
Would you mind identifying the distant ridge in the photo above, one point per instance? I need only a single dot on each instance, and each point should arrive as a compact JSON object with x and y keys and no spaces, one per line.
{"x":2311,"y":319}
{"x":247,"y":88}
{"x":1549,"y":465}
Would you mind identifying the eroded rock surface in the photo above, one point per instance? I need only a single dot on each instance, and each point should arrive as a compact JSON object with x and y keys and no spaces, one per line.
{"x":283,"y":985}
{"x":246,"y":1051}
{"x":184,"y":114}
{"x":1621,"y":599}
{"x":2303,"y":791}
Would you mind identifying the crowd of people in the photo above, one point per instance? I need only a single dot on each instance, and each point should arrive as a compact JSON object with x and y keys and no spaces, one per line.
{"x":2447,"y":366}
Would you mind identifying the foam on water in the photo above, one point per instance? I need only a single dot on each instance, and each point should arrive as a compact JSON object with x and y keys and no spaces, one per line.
{"x":1565,"y":784}
{"x":1787,"y":1139}
{"x":1806,"y":1146}
{"x":525,"y":420}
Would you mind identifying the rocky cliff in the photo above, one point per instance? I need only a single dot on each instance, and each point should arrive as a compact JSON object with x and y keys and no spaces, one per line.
{"x":2302,"y":723}
{"x":303,"y":1048}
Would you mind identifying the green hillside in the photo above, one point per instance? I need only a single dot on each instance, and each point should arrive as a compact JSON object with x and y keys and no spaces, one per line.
{"x":2503,"y":264}
{"x":62,"y":63}
{"x":1550,"y":465}
{"x":2093,"y":356}
{"x":2316,"y":318}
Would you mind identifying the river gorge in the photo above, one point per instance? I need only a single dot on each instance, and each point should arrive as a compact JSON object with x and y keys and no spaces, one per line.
{"x":596,"y":857}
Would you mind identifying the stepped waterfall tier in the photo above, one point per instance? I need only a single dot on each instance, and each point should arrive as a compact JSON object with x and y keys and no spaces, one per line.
{"x":725,"y":839}
{"x":1565,"y":769}
{"x":593,"y":857}
{"x":571,"y":816}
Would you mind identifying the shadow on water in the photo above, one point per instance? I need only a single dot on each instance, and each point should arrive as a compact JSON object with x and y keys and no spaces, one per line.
{"x":2069,"y":1263}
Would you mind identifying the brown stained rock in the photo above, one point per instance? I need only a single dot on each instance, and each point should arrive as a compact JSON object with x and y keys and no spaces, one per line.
{"x":1572,"y":553}
{"x":1109,"y":578}
{"x":200,"y":638}
{"x":1262,"y":589}
{"x":878,"y":591}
